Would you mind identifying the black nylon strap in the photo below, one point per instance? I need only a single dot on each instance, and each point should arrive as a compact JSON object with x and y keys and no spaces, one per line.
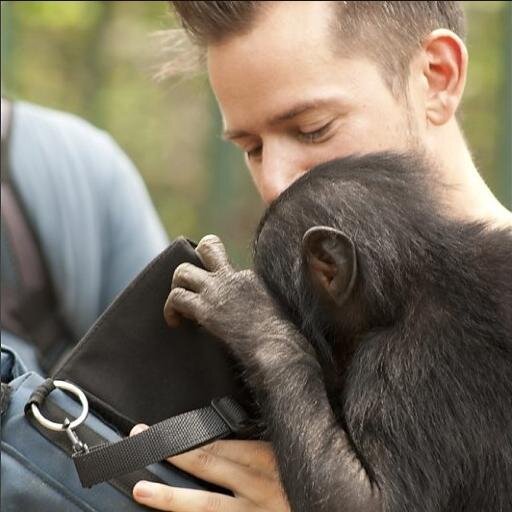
{"x":165,"y":439}
{"x":123,"y":483}
{"x":40,"y":394}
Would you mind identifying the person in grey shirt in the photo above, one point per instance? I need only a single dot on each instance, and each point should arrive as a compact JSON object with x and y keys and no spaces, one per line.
{"x":88,"y":206}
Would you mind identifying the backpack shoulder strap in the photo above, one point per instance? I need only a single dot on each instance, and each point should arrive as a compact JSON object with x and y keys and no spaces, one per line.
{"x":29,"y":307}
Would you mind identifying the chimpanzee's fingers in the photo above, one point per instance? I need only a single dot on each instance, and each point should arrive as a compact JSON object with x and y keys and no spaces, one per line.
{"x":181,"y":302}
{"x":190,"y":277}
{"x":212,"y":253}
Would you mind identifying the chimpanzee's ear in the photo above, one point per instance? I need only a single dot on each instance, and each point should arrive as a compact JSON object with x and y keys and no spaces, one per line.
{"x":331,"y":258}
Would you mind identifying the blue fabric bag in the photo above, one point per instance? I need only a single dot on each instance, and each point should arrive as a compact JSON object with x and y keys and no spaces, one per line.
{"x":37,"y":475}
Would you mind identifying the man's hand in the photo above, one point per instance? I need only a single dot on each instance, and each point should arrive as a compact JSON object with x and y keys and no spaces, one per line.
{"x":247,"y":468}
{"x":233,"y":306}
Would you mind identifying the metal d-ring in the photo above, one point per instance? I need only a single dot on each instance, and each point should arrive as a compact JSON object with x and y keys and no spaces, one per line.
{"x":60,"y":427}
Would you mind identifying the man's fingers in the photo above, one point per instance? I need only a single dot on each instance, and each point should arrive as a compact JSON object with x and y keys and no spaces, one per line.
{"x":181,"y":302}
{"x":190,"y":277}
{"x":254,"y":454}
{"x":212,"y":253}
{"x":208,"y":466}
{"x":176,"y":499}
{"x":137,"y":429}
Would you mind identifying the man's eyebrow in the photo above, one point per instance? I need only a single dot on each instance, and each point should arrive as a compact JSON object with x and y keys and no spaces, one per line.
{"x":299,"y":109}
{"x":234,"y":134}
{"x":285,"y":116}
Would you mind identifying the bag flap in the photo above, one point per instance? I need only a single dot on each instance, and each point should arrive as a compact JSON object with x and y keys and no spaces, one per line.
{"x":134,"y":368}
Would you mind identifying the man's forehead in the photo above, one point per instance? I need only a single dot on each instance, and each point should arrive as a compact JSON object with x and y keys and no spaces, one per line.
{"x":288,"y":15}
{"x":274,"y":46}
{"x":281,"y":69}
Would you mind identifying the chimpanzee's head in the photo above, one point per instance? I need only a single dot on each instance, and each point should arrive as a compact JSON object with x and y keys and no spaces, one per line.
{"x":341,"y":247}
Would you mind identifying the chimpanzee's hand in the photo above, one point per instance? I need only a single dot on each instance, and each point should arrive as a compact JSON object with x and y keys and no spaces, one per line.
{"x":234,"y":306}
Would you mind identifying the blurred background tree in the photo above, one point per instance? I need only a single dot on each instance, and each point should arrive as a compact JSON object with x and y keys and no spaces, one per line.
{"x":97,"y":59}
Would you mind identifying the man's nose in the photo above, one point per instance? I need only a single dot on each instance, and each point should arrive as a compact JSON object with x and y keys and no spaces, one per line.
{"x":275,"y":176}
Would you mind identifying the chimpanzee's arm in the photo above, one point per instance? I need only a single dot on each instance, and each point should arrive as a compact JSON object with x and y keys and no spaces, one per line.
{"x":320,"y":471}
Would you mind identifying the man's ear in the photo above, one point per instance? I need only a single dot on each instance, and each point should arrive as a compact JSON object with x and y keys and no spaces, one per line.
{"x":445,"y":69}
{"x":331,"y":258}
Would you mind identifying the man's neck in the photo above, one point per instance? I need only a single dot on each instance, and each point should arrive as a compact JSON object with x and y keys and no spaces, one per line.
{"x":467,"y":196}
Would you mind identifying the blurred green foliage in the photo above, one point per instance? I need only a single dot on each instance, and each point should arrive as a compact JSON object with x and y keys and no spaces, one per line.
{"x":98,"y":59}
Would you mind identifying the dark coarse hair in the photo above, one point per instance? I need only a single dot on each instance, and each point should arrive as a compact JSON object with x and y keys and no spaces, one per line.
{"x":388,"y":32}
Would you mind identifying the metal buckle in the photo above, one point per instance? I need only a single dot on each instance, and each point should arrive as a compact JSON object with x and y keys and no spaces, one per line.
{"x":231,"y":413}
{"x":78,"y":446}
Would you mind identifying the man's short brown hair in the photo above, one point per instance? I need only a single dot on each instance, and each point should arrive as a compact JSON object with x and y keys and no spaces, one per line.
{"x":387,"y":32}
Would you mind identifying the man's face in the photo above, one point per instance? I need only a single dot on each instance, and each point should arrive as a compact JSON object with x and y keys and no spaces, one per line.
{"x":289,"y":102}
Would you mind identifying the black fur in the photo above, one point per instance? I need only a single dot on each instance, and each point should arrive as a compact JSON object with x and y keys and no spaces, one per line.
{"x":418,"y":364}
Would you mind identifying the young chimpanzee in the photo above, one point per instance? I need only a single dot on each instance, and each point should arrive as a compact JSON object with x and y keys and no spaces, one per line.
{"x":379,"y":345}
